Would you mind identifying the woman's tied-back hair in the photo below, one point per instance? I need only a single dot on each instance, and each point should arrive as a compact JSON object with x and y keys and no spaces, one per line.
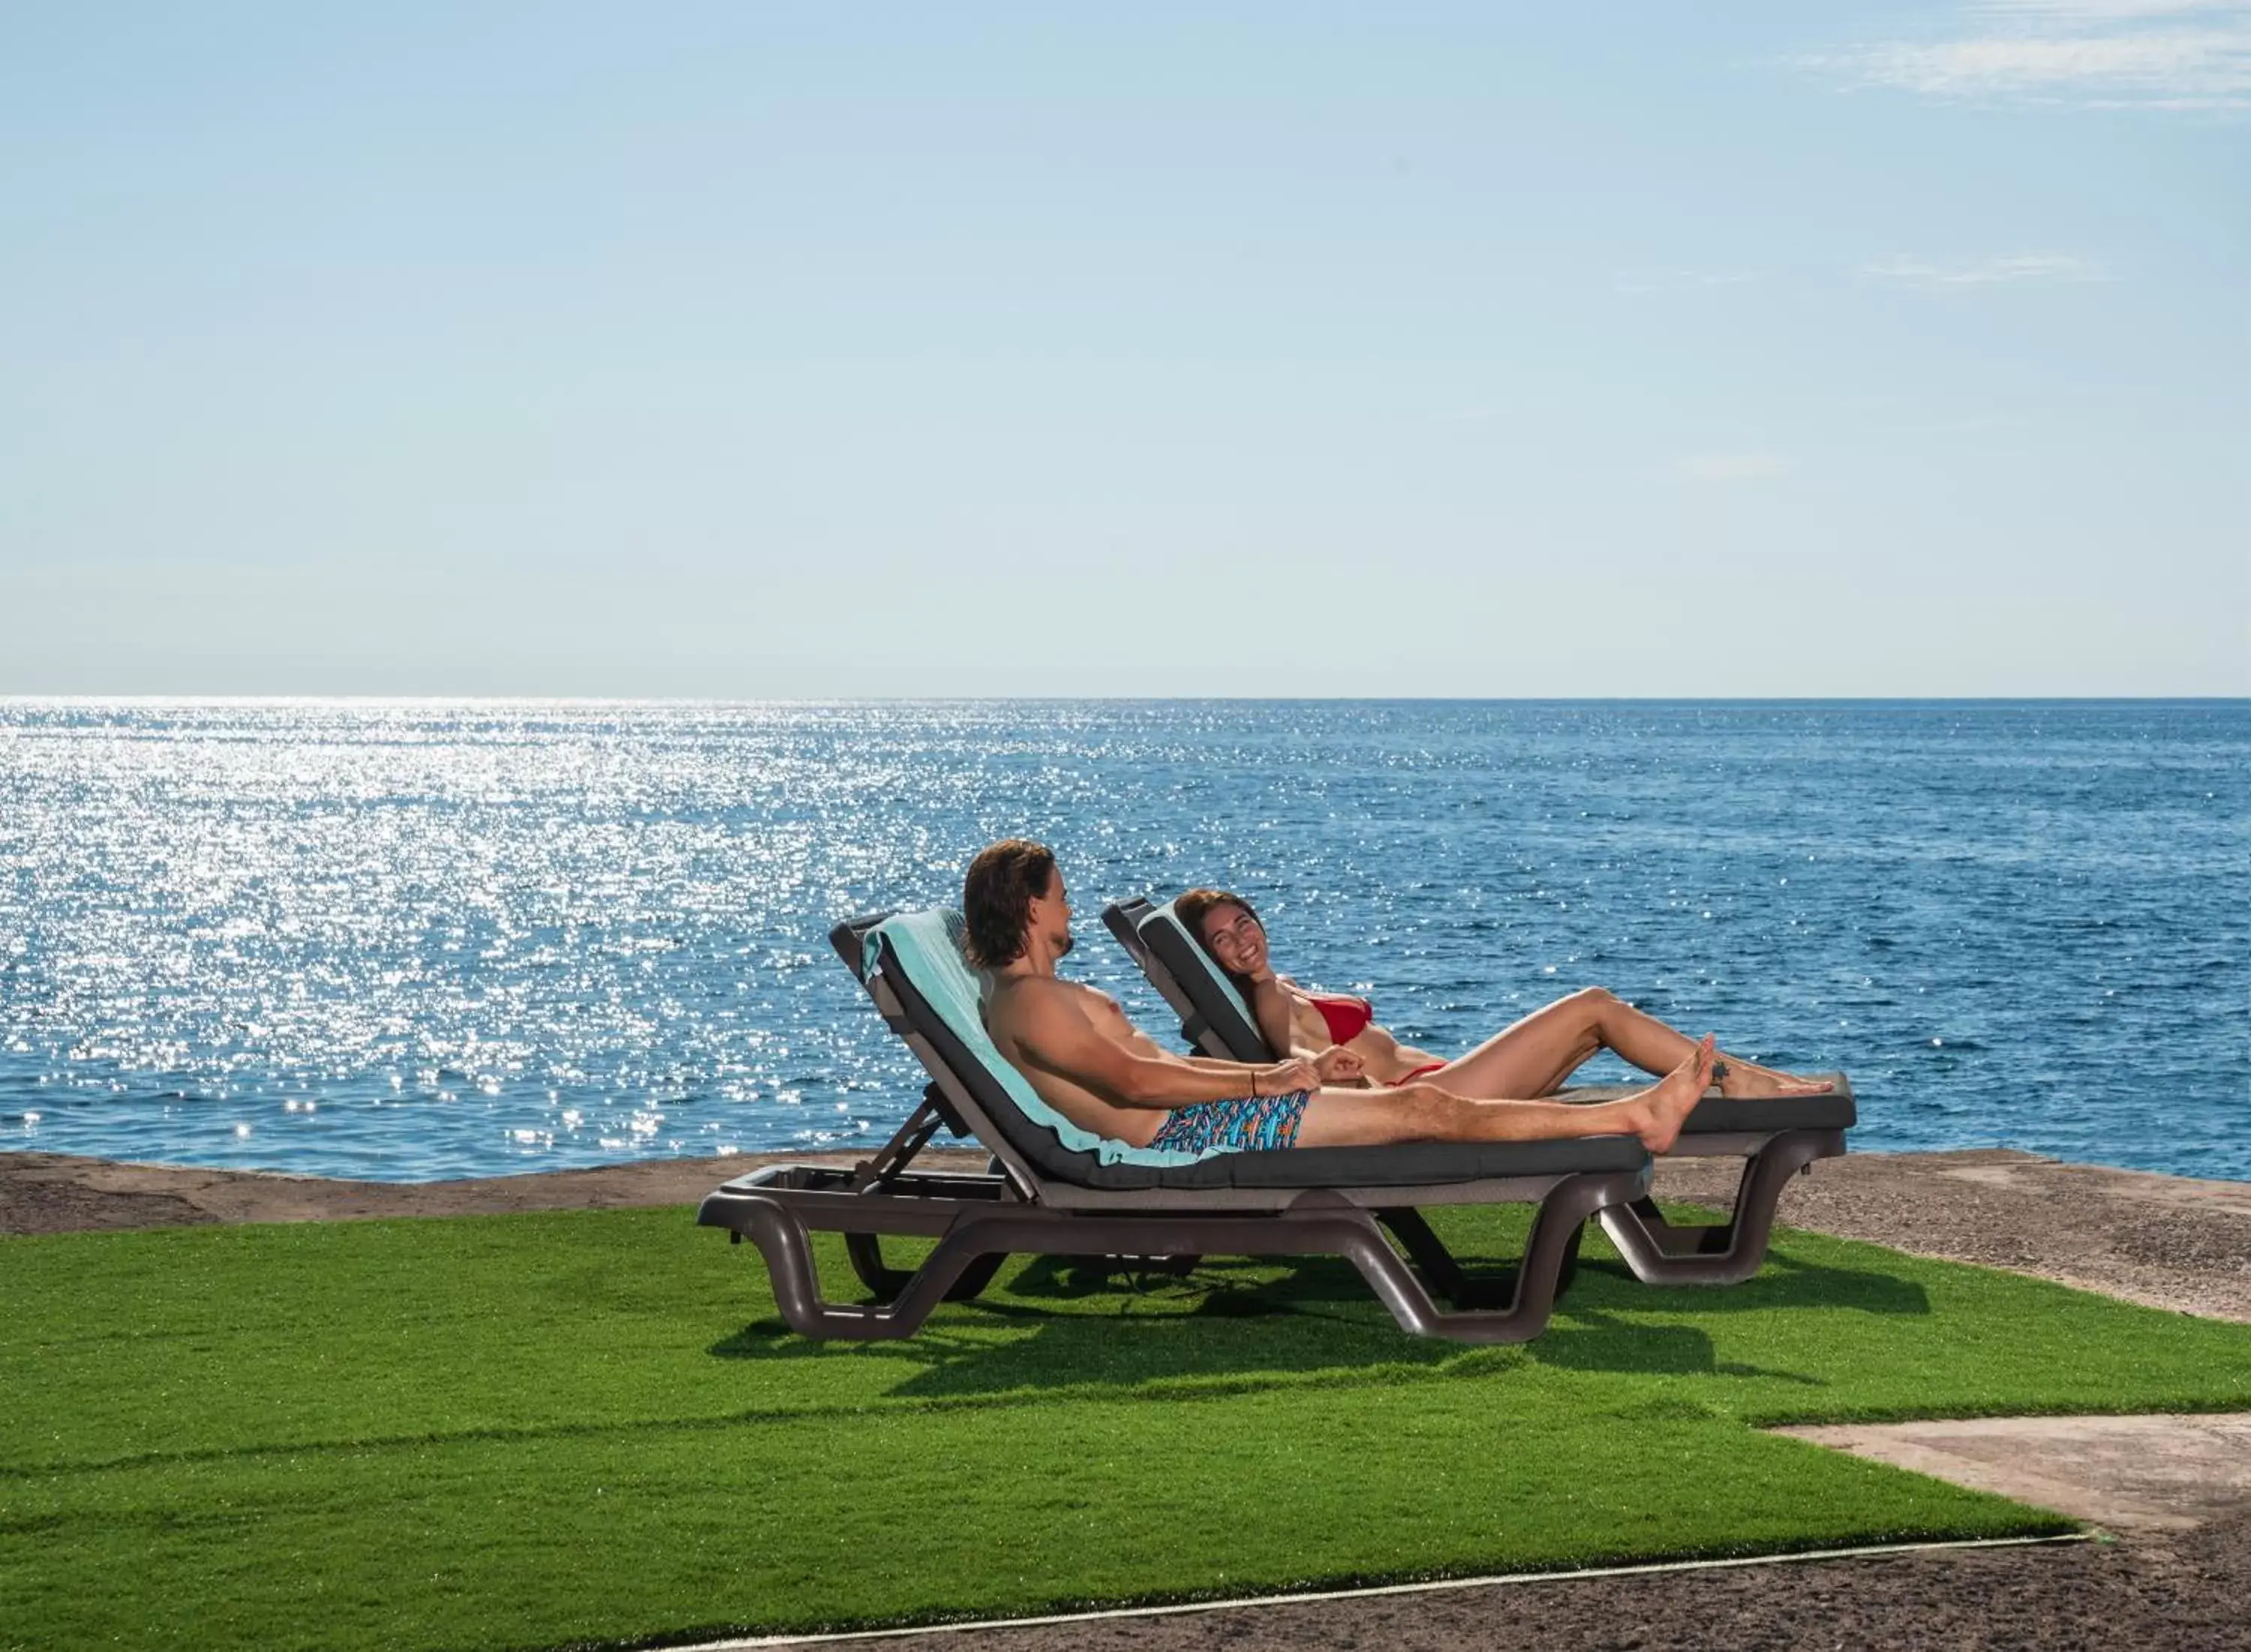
{"x":1191,"y":907}
{"x":996,"y":899}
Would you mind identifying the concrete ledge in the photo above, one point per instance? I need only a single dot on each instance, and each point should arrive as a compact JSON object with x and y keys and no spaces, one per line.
{"x":2151,"y":1473}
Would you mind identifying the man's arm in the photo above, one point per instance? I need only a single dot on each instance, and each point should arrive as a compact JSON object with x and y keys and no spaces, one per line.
{"x":1055,"y":1034}
{"x":1333,"y":1063}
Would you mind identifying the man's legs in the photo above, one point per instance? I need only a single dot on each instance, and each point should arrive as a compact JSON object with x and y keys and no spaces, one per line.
{"x":1427,"y":1112}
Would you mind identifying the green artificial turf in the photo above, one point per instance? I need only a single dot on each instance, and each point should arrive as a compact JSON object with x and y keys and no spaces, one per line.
{"x":529,"y":1431}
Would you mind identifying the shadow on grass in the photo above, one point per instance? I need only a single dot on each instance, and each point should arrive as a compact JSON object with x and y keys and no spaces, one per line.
{"x":1065,"y":1322}
{"x":1061,"y":1322}
{"x":1785,"y":1281}
{"x":1592,"y":1340}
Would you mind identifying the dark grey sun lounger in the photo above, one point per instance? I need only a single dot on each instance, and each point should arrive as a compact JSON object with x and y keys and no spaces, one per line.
{"x":1044,"y":1193}
{"x":1774,"y":1138}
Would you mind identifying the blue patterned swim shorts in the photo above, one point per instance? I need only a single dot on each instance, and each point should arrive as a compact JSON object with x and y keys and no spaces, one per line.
{"x":1247,"y":1124}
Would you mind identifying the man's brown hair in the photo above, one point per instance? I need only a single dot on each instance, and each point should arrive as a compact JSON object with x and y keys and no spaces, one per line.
{"x":996,"y":899}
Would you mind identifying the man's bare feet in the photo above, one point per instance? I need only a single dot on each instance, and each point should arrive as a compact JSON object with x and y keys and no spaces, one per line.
{"x":1658,"y":1111}
{"x":1748,"y":1081}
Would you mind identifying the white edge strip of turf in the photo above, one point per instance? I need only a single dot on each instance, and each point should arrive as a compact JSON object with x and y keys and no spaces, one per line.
{"x":1433,"y":1587}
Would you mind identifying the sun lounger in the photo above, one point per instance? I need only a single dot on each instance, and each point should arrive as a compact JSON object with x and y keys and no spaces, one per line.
{"x":1054,"y":1189}
{"x":1774,"y":1138}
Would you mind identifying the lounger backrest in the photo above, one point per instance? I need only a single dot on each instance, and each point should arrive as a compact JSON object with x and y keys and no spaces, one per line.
{"x":925,"y":949}
{"x":1230,"y":1031}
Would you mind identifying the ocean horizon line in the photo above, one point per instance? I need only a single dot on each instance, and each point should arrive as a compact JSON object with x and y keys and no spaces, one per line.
{"x":441,"y":698}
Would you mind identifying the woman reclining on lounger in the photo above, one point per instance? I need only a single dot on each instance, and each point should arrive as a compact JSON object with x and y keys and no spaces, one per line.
{"x":1534,"y":1057}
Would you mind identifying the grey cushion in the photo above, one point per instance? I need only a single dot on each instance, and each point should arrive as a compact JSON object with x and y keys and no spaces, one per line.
{"x":1718,"y":1114}
{"x":1833,"y":1111}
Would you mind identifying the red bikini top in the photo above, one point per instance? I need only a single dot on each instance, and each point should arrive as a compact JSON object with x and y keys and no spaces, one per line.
{"x":1347,"y":1017}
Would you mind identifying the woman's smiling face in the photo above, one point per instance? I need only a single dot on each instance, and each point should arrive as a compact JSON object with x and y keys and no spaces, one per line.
{"x":1235,"y":939}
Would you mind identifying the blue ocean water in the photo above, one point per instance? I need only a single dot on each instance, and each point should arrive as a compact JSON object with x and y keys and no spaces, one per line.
{"x":414,"y":939}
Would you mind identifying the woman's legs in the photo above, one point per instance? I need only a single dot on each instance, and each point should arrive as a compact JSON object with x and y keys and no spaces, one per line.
{"x":1539,"y":1052}
{"x":1428,"y":1112}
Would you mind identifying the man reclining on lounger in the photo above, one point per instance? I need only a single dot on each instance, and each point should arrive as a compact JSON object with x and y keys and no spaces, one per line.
{"x":1094,"y":1067}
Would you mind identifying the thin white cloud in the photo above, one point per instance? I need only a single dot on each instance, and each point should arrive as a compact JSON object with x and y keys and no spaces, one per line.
{"x":2167,"y":54}
{"x":2082,"y":13}
{"x":1732,"y":468}
{"x":1985,"y":273}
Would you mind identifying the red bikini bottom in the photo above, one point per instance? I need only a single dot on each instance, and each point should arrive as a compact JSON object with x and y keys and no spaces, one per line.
{"x":1419,"y":1072}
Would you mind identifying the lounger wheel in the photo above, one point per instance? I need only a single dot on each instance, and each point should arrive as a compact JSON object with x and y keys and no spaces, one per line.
{"x":866,"y":1251}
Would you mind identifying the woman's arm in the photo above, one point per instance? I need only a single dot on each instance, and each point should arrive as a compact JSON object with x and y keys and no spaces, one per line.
{"x":1275,"y":1003}
{"x":1270,"y":1003}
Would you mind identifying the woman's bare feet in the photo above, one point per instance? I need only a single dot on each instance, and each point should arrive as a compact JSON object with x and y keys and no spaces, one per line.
{"x":1657,"y":1112}
{"x":1748,"y":1081}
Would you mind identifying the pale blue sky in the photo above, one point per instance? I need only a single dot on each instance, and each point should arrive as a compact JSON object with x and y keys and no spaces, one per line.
{"x":736,"y":349}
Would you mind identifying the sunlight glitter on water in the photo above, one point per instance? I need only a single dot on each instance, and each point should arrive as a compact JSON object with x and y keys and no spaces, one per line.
{"x":409,"y":939}
{"x":438,"y":908}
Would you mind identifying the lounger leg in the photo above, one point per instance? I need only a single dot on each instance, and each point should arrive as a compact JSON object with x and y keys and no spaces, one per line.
{"x":1445,"y":1276}
{"x":1551,"y":1249}
{"x":1570,"y":1271}
{"x":885,"y":1282}
{"x":1518,"y":1311}
{"x":781,"y":1239}
{"x":1662,"y":1254}
{"x":781,"y":1236}
{"x":1440,"y":1271}
{"x":959,"y":1266}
